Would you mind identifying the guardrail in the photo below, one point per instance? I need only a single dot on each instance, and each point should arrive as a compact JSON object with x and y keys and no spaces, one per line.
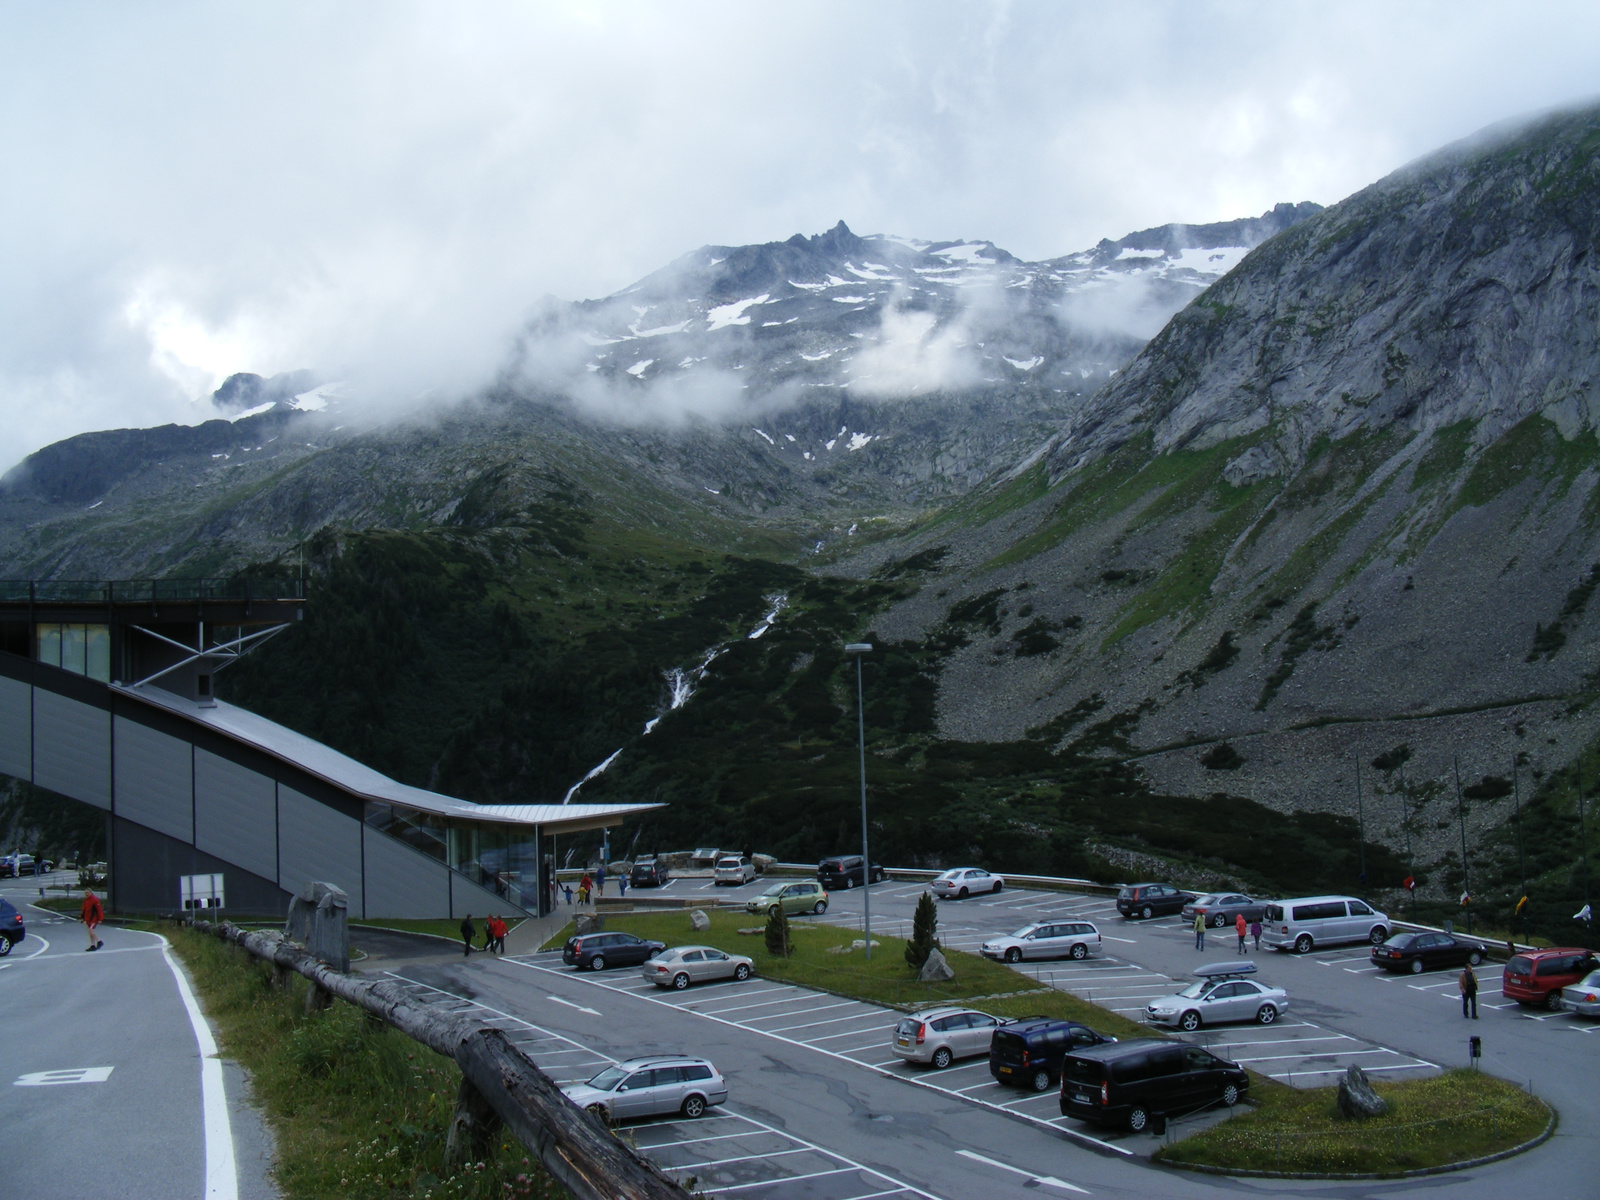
{"x":913,"y":874}
{"x":500,"y":1085}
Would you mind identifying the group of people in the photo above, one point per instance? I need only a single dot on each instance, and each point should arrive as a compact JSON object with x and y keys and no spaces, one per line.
{"x":494,"y":935}
{"x":1240,"y":927}
{"x":591,"y":886}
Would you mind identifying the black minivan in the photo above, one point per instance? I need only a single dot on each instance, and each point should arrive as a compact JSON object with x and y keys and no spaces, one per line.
{"x":1027,"y":1053}
{"x":649,"y":872}
{"x":1128,"y":1083}
{"x":846,"y":871}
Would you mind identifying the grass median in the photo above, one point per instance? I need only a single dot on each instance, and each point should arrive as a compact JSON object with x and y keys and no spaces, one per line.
{"x":887,"y":979}
{"x":1433,"y":1122}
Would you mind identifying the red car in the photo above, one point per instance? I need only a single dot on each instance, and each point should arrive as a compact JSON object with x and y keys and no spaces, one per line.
{"x":1537,"y":976}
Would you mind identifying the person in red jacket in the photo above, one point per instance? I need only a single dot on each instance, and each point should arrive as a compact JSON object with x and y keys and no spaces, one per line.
{"x":93,"y":914}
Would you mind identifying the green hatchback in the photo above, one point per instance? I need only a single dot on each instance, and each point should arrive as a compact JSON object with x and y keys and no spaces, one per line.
{"x":804,"y":896}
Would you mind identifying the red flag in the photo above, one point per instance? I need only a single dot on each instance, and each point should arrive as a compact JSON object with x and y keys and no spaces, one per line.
{"x":1409,"y":884}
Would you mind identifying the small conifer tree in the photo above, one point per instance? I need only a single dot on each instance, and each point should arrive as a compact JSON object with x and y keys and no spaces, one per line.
{"x":778,"y":932}
{"x":924,"y":924}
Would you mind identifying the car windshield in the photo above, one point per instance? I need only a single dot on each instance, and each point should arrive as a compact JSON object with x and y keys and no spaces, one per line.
{"x":1024,"y":931}
{"x":608,"y":1079}
{"x":1401,"y":940}
{"x":1520,"y":966}
{"x":1593,"y":980}
{"x":1200,"y":900}
{"x":1195,"y":990}
{"x":730,"y":863}
{"x":950,"y":874}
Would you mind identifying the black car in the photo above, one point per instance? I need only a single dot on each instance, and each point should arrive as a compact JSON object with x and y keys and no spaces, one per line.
{"x":847,"y":871}
{"x":12,"y":930}
{"x":649,"y":872}
{"x":1028,"y":1052}
{"x":597,"y":951}
{"x":1418,"y":952}
{"x":1128,"y":1083}
{"x":1151,"y":900}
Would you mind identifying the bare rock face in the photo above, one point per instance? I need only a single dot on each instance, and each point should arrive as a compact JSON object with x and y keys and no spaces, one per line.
{"x":698,"y":921}
{"x":588,"y":923}
{"x":1357,"y":1100}
{"x":936,"y":969}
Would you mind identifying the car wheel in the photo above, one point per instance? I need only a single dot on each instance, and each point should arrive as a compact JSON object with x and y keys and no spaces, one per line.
{"x":848,"y":883}
{"x":1079,"y":950}
{"x":1041,"y":1080}
{"x":1377,"y":935}
{"x":1302,"y":944}
{"x":1013,"y":956}
{"x":680,"y":981}
{"x":5,"y":946}
{"x":1474,"y":958}
{"x":1147,"y":912}
{"x":941,"y":1058}
{"x":1230,"y":1095}
{"x":1219,"y":922}
{"x":1552,"y":1000}
{"x":820,"y":907}
{"x":1138,"y":1118}
{"x":1265,"y":1015}
{"x":1189,"y":1022}
{"x":597,"y":963}
{"x":962,"y":894}
{"x":1416,"y":966}
{"x":741,"y":972}
{"x":694,"y":1106}
{"x":998,"y":884}
{"x":599,"y":1111}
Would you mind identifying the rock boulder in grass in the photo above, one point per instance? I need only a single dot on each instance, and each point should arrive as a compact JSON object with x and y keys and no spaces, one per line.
{"x":698,"y":921}
{"x":1357,"y":1100}
{"x":936,"y":969}
{"x":588,"y":923}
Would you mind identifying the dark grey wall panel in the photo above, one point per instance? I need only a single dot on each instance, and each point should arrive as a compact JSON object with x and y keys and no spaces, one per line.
{"x":149,"y":864}
{"x":316,"y":844}
{"x":155,"y":785}
{"x":72,"y":748}
{"x":16,"y":729}
{"x":402,"y":881}
{"x":235,"y":814}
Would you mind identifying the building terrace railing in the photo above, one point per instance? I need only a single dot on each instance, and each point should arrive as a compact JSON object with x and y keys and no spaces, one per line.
{"x":148,"y":591}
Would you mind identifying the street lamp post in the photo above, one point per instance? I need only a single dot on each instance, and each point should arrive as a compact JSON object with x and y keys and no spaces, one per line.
{"x":856,"y":650}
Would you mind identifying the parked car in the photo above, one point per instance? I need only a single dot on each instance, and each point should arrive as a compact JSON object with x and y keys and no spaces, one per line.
{"x":680,"y":966}
{"x":805,"y":896}
{"x":12,"y":930}
{"x":1128,"y":1083}
{"x":1419,"y":952}
{"x":939,"y":1036}
{"x":1027,"y":1053}
{"x":1303,"y":924}
{"x":734,"y":870}
{"x":649,"y":872}
{"x":847,"y":871}
{"x":597,"y":951}
{"x":1151,"y":900}
{"x":1045,"y":939}
{"x":1538,"y":976}
{"x":1221,"y":993}
{"x":960,"y":882}
{"x":25,"y":864}
{"x":1583,"y":997}
{"x":1223,"y":908}
{"x":647,"y":1087}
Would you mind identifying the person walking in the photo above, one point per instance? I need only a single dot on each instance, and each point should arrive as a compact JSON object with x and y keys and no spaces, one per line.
{"x":500,"y":932}
{"x":1255,"y":931}
{"x":585,"y":889}
{"x":468,"y":932}
{"x":488,"y":933}
{"x":567,"y":889}
{"x":600,"y":880}
{"x":1238,"y":925}
{"x":93,"y":914}
{"x":1199,"y":931}
{"x":1469,"y":991}
{"x":622,"y":883}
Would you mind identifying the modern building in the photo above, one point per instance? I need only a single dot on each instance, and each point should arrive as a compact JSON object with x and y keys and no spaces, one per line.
{"x":106,"y":697}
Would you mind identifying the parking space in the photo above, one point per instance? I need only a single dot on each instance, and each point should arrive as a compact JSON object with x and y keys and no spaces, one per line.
{"x":727,"y":1152}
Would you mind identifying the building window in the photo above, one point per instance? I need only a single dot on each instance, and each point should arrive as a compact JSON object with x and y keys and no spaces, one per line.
{"x":81,"y":649}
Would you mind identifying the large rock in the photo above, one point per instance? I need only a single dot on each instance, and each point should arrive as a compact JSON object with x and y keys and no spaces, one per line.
{"x":936,"y":969}
{"x":588,"y":923}
{"x":698,"y":921}
{"x":1357,"y":1100}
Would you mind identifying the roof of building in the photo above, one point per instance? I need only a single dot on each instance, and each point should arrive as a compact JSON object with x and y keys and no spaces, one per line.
{"x":344,"y":772}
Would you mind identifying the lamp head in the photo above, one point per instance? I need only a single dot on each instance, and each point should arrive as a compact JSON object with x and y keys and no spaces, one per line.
{"x":858,"y":648}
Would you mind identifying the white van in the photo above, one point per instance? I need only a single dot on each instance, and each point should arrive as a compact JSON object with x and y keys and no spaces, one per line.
{"x":1301,"y":925}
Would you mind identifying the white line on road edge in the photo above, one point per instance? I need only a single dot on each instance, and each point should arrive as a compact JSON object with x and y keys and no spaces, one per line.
{"x":593,"y":1012}
{"x":1047,"y":1180}
{"x":222,"y":1177}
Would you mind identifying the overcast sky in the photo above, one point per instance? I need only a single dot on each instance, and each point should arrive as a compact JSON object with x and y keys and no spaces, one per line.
{"x":384,"y":190}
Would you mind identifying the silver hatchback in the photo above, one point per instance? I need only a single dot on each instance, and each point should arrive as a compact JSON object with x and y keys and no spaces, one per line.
{"x":682,"y":965}
{"x":648,"y":1087}
{"x":939,"y":1036}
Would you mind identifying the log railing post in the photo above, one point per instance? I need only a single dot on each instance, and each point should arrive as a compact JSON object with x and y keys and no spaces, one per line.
{"x":473,"y":1128}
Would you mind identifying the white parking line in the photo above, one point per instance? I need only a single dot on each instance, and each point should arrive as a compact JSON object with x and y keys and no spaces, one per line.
{"x":1321,"y":1054}
{"x":833,"y":1021}
{"x":1046,"y":1180}
{"x":1332,"y":1037}
{"x":808,"y":1012}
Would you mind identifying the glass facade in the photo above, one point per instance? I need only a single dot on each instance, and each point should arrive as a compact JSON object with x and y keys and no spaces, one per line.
{"x":82,"y":649}
{"x":502,"y":858}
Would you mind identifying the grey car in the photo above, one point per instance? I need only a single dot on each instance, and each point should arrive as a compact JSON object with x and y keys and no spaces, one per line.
{"x":1224,"y":908}
{"x":682,"y":965}
{"x":939,"y":1036}
{"x":649,"y":1087}
{"x":1045,"y":939}
{"x":1583,"y":997}
{"x":1222,"y":993}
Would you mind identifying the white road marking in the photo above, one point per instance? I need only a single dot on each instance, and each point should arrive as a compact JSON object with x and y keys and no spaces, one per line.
{"x":222,"y":1176}
{"x":593,"y":1012}
{"x":1046,"y":1180}
{"x":72,"y":1075}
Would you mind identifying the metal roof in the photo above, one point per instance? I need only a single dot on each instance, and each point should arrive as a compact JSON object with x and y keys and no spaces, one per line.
{"x":344,"y":772}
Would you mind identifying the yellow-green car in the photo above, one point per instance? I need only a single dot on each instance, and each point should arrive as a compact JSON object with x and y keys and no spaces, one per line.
{"x":805,"y":895}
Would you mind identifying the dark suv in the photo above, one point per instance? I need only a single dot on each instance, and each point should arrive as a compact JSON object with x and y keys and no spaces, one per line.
{"x":846,"y":871}
{"x":649,"y":872}
{"x":1128,"y":1083}
{"x":12,"y":930}
{"x":1028,"y":1052}
{"x":597,"y":951}
{"x":1152,"y":900}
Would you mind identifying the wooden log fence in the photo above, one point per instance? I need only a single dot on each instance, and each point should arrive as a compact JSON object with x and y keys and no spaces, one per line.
{"x":500,"y":1085}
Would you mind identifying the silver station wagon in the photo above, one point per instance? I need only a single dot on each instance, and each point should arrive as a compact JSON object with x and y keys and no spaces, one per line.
{"x":649,"y":1087}
{"x":1045,"y":939}
{"x":682,"y":965}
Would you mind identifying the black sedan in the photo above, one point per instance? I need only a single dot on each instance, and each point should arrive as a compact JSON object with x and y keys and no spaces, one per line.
{"x":597,"y":951}
{"x":1419,"y":952}
{"x":12,"y":929}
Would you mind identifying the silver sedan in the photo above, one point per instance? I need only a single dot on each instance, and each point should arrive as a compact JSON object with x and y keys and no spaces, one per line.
{"x":1211,"y":1001}
{"x":961,"y":882}
{"x":1583,"y":997}
{"x":682,"y":965}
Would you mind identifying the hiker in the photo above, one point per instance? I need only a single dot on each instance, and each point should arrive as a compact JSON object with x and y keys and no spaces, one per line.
{"x":622,"y":883}
{"x":488,"y":933}
{"x":93,"y":914}
{"x":567,"y":888}
{"x":600,"y":880}
{"x":494,"y":935}
{"x":1469,"y":991}
{"x":1255,"y":931}
{"x":585,"y":889}
{"x":468,"y":932}
{"x":1199,"y":931}
{"x":1238,"y":925}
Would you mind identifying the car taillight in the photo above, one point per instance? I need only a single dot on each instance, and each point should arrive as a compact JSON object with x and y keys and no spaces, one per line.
{"x":1589,"y":999}
{"x":1024,"y":1058}
{"x":1286,"y":929}
{"x":661,"y":967}
{"x":1105,"y":1092}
